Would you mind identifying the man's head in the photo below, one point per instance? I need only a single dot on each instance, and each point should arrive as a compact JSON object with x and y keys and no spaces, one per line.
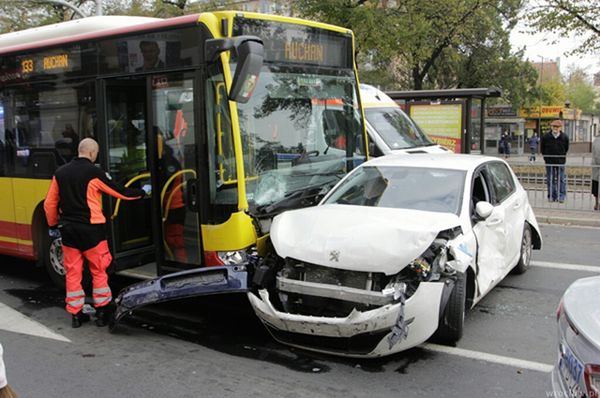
{"x":150,"y":51}
{"x":556,"y":126}
{"x":88,"y":148}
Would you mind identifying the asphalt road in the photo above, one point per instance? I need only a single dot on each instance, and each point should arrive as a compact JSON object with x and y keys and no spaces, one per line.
{"x":215,"y":347}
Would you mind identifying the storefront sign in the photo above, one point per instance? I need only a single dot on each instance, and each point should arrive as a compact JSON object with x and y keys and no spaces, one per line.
{"x":550,"y":112}
{"x":501,"y":111}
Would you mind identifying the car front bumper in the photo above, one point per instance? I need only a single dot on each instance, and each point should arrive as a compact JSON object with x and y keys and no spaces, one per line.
{"x":360,"y":334}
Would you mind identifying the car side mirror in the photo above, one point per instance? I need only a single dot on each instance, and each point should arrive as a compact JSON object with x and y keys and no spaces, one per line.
{"x":250,"y":53}
{"x":483,"y":209}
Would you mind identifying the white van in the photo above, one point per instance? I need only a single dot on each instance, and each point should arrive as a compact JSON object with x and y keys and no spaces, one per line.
{"x":390,"y":130}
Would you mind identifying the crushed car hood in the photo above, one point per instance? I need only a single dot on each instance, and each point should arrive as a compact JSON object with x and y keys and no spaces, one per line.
{"x":357,"y":238}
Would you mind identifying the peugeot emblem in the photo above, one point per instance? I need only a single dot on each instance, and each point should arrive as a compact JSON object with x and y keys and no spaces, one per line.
{"x":334,"y":255}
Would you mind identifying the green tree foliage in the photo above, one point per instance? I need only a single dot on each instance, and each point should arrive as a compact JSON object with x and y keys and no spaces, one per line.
{"x":552,"y":92}
{"x":23,"y":14}
{"x":415,"y":44}
{"x":580,"y":18}
{"x":579,"y":91}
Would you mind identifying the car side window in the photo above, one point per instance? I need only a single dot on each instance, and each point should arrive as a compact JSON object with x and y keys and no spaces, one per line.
{"x":480,"y":190}
{"x":502,"y":181}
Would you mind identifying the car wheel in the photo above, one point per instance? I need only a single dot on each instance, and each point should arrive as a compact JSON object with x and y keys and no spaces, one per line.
{"x":450,"y":329}
{"x":526,"y":248}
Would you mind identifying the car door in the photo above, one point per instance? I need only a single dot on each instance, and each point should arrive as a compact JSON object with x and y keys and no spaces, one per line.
{"x":506,"y":196}
{"x":490,"y":233}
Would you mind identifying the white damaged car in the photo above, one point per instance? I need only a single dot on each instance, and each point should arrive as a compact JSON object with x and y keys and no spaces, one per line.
{"x":394,"y":254}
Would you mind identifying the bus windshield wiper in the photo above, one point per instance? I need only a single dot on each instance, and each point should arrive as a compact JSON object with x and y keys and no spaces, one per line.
{"x":338,"y":174}
{"x":295,"y":199}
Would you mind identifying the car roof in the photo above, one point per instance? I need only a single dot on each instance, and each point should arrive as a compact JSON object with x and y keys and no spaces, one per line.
{"x":372,"y":97}
{"x":455,"y":161}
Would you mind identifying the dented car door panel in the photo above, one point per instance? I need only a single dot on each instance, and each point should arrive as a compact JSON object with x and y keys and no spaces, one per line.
{"x":491,"y":251}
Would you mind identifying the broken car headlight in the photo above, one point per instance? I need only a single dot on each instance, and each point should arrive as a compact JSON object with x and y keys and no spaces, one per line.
{"x":232,"y":257}
{"x":421,"y":267}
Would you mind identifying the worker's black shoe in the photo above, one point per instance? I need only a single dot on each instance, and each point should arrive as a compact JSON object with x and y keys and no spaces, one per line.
{"x":103,"y":314}
{"x":78,"y":319}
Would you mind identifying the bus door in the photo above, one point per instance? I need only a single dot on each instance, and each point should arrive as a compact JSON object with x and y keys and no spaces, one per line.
{"x":150,"y":123}
{"x":175,"y":166}
{"x":125,"y":157}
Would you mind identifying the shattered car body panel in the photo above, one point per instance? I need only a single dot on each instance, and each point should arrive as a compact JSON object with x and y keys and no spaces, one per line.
{"x":180,"y":285}
{"x":366,"y":275}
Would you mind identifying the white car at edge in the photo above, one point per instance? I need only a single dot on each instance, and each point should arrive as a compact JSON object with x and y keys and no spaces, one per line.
{"x":394,"y":254}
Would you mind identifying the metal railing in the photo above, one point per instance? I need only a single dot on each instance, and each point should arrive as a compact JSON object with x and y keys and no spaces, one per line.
{"x":578,"y":172}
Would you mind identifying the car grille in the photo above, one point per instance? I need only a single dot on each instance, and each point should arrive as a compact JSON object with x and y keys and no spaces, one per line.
{"x":360,"y":344}
{"x":299,"y":270}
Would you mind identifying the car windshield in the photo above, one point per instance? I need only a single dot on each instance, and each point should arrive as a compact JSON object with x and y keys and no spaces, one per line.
{"x":417,"y":188}
{"x":396,"y":128}
{"x":299,"y":130}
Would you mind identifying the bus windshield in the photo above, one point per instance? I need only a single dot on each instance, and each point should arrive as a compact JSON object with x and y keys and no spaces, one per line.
{"x":299,"y":130}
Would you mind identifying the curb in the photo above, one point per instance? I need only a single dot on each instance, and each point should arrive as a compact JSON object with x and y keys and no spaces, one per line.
{"x":582,"y":222}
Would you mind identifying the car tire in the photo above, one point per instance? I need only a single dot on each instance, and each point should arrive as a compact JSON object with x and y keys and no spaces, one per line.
{"x":450,"y":329}
{"x":525,"y":254}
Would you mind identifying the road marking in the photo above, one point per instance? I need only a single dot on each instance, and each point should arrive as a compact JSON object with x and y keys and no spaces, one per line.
{"x":569,"y":267}
{"x":13,"y":321}
{"x":484,"y":356}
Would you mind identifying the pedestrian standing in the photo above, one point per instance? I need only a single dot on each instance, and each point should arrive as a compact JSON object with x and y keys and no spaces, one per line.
{"x":533,"y":146}
{"x":73,"y":209}
{"x":595,"y":169}
{"x":554,"y":146}
{"x":5,"y":390}
{"x":505,"y":143}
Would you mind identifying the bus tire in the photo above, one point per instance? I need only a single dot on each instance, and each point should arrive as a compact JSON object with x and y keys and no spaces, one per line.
{"x":52,"y":256}
{"x":54,"y":264}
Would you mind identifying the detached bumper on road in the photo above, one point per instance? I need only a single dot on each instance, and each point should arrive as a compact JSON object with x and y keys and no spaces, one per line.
{"x":360,"y":334}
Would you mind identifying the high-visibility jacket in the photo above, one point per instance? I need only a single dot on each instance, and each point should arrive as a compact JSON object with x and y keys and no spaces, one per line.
{"x":75,"y":193}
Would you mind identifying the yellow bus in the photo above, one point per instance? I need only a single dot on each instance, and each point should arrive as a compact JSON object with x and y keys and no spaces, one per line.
{"x":232,"y":117}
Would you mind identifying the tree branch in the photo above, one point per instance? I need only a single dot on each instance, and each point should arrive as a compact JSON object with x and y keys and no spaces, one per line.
{"x":446,"y":42}
{"x":578,"y":17}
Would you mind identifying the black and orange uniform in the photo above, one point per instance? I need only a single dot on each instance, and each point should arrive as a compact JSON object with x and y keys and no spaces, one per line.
{"x":74,"y":205}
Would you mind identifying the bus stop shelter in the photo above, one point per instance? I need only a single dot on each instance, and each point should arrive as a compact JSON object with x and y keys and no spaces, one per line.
{"x":463,"y":99}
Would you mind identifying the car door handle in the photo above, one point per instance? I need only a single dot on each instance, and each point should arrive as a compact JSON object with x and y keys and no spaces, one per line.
{"x":494,"y":222}
{"x":517,"y":205}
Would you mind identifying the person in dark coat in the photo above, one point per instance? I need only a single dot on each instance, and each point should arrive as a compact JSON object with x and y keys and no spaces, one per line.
{"x":554,"y":147}
{"x":533,"y":146}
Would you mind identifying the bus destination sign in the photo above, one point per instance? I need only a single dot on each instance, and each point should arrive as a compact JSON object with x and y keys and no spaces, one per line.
{"x":304,"y":52}
{"x":297,"y":43}
{"x":39,"y":64}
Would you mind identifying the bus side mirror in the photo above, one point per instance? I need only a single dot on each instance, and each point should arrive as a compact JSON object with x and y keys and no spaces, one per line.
{"x":250,"y":52}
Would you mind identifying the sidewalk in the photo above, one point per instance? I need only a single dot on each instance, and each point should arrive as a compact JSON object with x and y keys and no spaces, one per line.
{"x":567,"y":217}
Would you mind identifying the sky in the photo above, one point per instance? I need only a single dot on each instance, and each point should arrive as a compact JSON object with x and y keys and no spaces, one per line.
{"x":537,"y":47}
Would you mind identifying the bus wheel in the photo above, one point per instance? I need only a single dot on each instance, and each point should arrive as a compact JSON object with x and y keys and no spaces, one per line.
{"x":53,"y":261}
